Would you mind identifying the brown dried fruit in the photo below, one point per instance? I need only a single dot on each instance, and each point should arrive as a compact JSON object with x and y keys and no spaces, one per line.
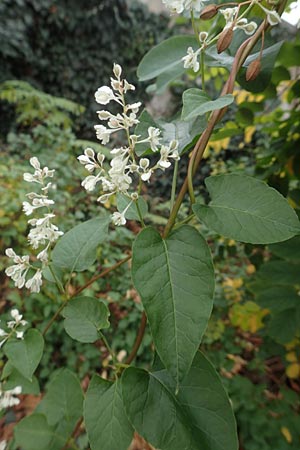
{"x":209,"y":12}
{"x":224,"y":40}
{"x":253,"y":70}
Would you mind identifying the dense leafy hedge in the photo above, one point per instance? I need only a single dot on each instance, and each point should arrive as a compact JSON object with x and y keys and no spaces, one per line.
{"x":66,"y":48}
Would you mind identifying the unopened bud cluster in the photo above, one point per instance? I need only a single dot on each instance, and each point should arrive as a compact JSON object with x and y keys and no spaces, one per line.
{"x":125,"y":167}
{"x":233,"y":22}
{"x":43,"y":232}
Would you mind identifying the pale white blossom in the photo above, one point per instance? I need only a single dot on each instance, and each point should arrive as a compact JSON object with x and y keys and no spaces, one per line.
{"x":3,"y":445}
{"x":104,"y":95}
{"x":178,"y":6}
{"x":7,"y":398}
{"x":273,"y":17}
{"x":125,"y":166}
{"x":13,"y":326}
{"x":191,"y":59}
{"x":35,"y":283}
{"x":42,"y":232}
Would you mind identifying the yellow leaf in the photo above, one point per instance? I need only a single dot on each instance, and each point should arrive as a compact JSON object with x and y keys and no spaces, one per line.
{"x":291,"y":357}
{"x":293,"y":371}
{"x":250,"y":269}
{"x":287,"y":434}
{"x":249,"y":131}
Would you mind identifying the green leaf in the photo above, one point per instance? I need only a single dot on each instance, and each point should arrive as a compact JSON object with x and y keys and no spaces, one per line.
{"x":284,"y":325}
{"x":166,"y":57}
{"x":198,"y":418}
{"x":131,"y":213}
{"x":197,"y":103}
{"x":106,"y":422}
{"x":247,"y":209}
{"x":34,"y":433}
{"x":25,"y":354}
{"x":63,"y":402}
{"x":84,"y":317}
{"x":289,"y":250}
{"x":278,"y":298}
{"x":76,"y":250}
{"x":14,"y":378}
{"x":183,"y":132}
{"x":279,"y":273}
{"x":175,"y":280}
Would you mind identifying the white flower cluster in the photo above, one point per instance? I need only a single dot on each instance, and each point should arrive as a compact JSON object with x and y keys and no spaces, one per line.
{"x":124,"y":165}
{"x":13,"y":326}
{"x":230,"y":16}
{"x":178,"y":6}
{"x":42,"y":233}
{"x":7,"y":398}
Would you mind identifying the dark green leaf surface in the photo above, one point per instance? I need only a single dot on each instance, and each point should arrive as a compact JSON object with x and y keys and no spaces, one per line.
{"x":166,"y":57}
{"x":248,"y":210}
{"x":289,"y":250}
{"x":106,"y":422}
{"x":175,"y":279}
{"x":76,"y":250}
{"x":197,"y":103}
{"x":63,"y":401}
{"x":34,"y":433}
{"x":198,"y":418}
{"x":284,"y":325}
{"x":84,"y":317}
{"x":25,"y":354}
{"x":14,"y":378}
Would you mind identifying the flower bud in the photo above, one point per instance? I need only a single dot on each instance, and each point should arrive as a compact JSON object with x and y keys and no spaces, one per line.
{"x":225,"y":39}
{"x":253,"y":70}
{"x":209,"y":12}
{"x":203,"y":35}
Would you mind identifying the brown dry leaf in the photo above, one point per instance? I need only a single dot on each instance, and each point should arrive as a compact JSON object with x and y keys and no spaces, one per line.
{"x":138,"y":443}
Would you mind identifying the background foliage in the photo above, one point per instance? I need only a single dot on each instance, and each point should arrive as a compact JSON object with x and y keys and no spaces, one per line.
{"x":253,"y":335}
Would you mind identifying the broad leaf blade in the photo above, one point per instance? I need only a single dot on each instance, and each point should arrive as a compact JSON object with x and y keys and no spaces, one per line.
{"x":107,"y":425}
{"x":84,"y":317}
{"x":34,"y":433}
{"x":76,"y":250}
{"x":198,"y":418}
{"x":175,"y":279}
{"x":63,"y":402}
{"x":248,"y":210}
{"x":197,"y":103}
{"x":25,"y":354}
{"x":166,"y":57}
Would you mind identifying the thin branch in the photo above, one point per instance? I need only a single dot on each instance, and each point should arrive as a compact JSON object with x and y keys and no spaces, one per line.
{"x":101,"y":275}
{"x":79,"y":290}
{"x":138,"y":340}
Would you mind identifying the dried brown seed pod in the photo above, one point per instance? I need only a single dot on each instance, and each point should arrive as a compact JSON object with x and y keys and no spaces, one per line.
{"x":209,"y":12}
{"x":253,"y":70}
{"x":225,"y":39}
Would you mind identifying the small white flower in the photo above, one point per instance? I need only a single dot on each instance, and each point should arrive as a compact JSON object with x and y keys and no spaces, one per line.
{"x":103,"y":133}
{"x":16,"y":315}
{"x":89,"y":183}
{"x":3,"y":445}
{"x":203,"y":35}
{"x":104,"y":95}
{"x":117,"y":70}
{"x":7,"y":398}
{"x":191,"y":60}
{"x":35,"y":283}
{"x":118,"y":218}
{"x":20,"y":334}
{"x":176,"y":6}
